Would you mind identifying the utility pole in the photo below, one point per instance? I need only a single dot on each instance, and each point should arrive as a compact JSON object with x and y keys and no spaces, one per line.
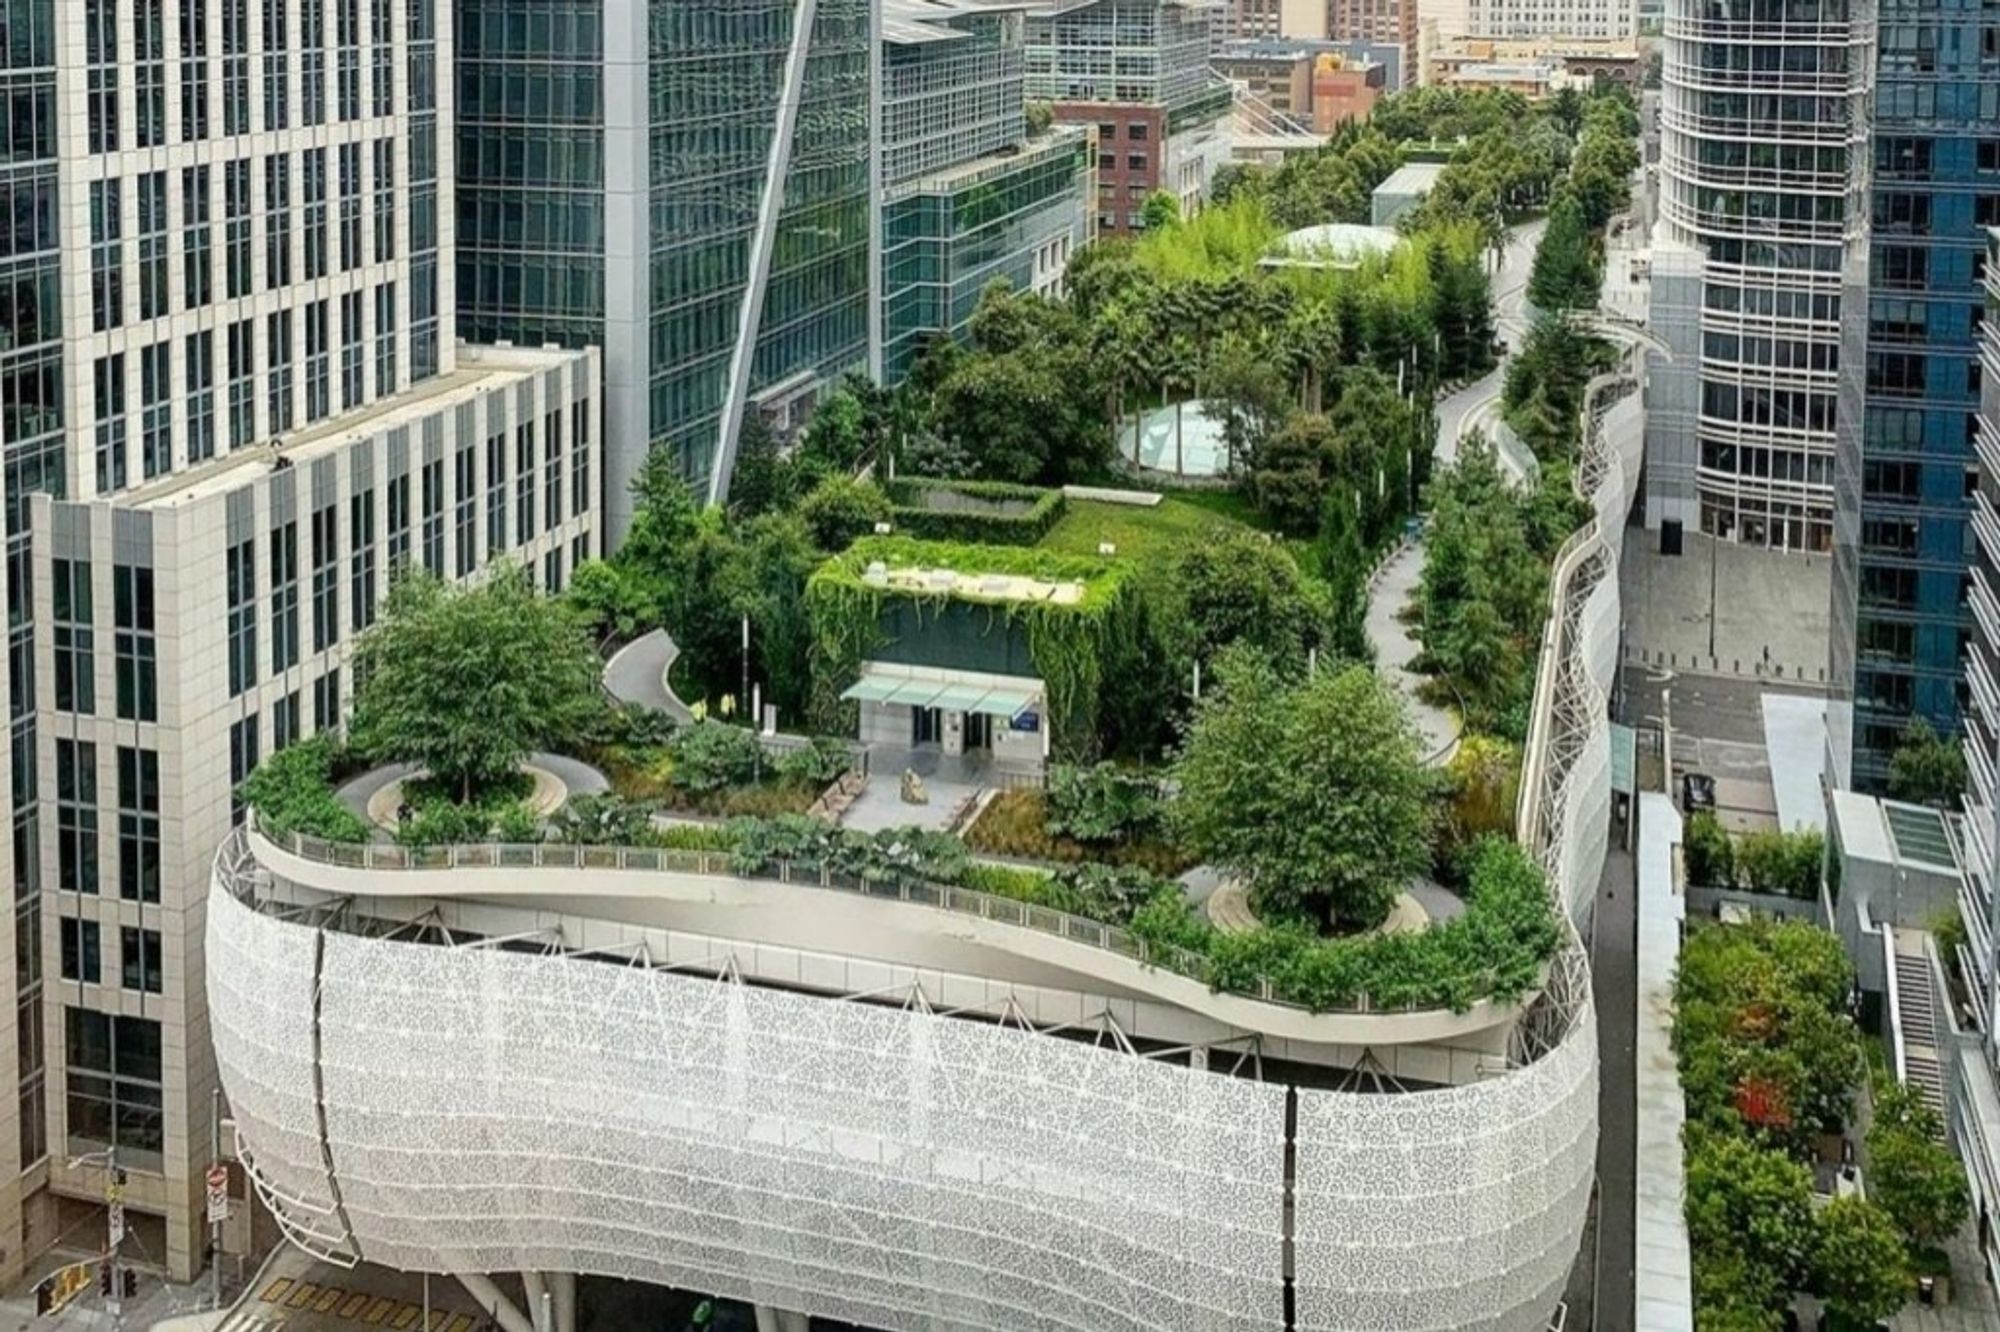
{"x":114,"y":1221}
{"x":215,"y":1214}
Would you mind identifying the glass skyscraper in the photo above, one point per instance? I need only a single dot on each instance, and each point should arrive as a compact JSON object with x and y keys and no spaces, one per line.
{"x":1902,"y":609}
{"x":638,"y":177}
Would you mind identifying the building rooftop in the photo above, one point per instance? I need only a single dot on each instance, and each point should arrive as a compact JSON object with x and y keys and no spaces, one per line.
{"x":1333,"y":245}
{"x":480,"y":370}
{"x":1412,"y":178}
{"x":914,"y":22}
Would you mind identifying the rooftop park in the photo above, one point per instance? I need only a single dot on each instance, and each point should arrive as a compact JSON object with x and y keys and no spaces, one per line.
{"x":1773,"y":1070}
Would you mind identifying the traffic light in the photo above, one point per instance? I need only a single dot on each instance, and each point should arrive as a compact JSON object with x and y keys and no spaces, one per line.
{"x":131,"y":1283}
{"x":104,"y":1278}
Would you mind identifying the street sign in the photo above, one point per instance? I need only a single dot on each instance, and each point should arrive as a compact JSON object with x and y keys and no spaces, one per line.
{"x":218,"y":1193}
{"x":61,"y":1286}
{"x":116,"y":1215}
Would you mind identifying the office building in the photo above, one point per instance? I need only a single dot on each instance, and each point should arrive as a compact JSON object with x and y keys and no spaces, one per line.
{"x":687,"y":186}
{"x":1389,"y":22}
{"x":229,"y":280}
{"x":1309,"y":83}
{"x":1595,"y":20}
{"x":1762,"y":229}
{"x":1901,"y":616}
{"x":1136,"y":70}
{"x":1245,"y":19}
{"x":970,"y":197}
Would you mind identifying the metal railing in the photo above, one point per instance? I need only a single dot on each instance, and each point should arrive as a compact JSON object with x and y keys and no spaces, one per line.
{"x":393,"y":858}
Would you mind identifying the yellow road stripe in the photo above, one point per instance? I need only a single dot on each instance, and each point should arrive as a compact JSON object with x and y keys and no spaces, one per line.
{"x":460,"y":1323}
{"x":327,"y":1299}
{"x":409,"y":1314}
{"x":355,"y":1304}
{"x":304,"y":1295}
{"x":276,"y":1289}
{"x":379,"y":1309}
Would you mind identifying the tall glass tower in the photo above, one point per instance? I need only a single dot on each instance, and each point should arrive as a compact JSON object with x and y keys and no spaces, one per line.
{"x":689,"y":185}
{"x":1762,"y":227}
{"x":1902,"y":609}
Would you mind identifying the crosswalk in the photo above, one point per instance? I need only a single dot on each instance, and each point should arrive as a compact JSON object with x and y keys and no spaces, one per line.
{"x":282,"y":1299}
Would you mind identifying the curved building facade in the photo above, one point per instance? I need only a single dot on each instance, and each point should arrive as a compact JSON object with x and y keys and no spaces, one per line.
{"x":565,"y":1069}
{"x":1763,"y":227}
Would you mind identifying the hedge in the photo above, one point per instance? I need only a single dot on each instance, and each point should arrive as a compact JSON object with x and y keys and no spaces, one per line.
{"x":979,"y":525}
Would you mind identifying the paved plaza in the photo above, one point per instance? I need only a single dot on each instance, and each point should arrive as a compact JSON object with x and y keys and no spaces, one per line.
{"x":1726,"y":609}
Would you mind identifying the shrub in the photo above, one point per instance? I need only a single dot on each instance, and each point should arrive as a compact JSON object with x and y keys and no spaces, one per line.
{"x":1101,"y":802}
{"x":710,"y":755}
{"x":1914,"y":1177}
{"x":839,"y":509}
{"x":1709,"y":856}
{"x":818,"y":764}
{"x":441,"y":823}
{"x":517,"y":824}
{"x":292,"y":792}
{"x":985,"y":513}
{"x":602,"y":820}
{"x":1781,"y":863}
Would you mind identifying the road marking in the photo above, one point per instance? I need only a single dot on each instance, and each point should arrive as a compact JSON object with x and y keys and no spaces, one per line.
{"x":379,"y":1310}
{"x":303,"y":1296}
{"x":460,"y":1323}
{"x":328,"y":1297}
{"x":275,"y":1290}
{"x":407,"y":1315}
{"x":355,"y":1304}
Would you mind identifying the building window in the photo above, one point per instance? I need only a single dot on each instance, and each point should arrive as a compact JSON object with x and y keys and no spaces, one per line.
{"x":277,"y":221}
{"x":552,"y":496}
{"x":284,"y":597}
{"x":361,"y":562}
{"x":277,"y":68}
{"x":350,"y":207}
{"x":496,"y":493}
{"x":384,"y":179}
{"x":312,"y":51}
{"x":139,"y":959}
{"x":433,"y":500}
{"x":552,"y":571}
{"x":156,"y":386}
{"x":240,"y":577}
{"x":81,"y":949}
{"x":385,"y":339}
{"x":319,"y":362}
{"x":75,"y":658}
{"x":325,"y":579}
{"x":326,"y":701}
{"x":109,"y":377}
{"x":200,"y":352}
{"x":348,"y":32}
{"x":107,"y":254}
{"x":313,"y":163}
{"x":153,"y":287}
{"x":382,"y":101}
{"x":138,"y":824}
{"x":76,"y":816}
{"x":136,"y":648}
{"x":579,"y":459}
{"x":242,"y":387}
{"x":399,"y":526}
{"x":242,"y":760}
{"x":285,"y":722}
{"x":236,"y":227}
{"x":235,"y":66}
{"x":278,"y":358}
{"x":524,"y":479}
{"x":100,"y":54}
{"x":114,"y":1080}
{"x":352,"y":387}
{"x":465,"y":509}
{"x":194,"y":72}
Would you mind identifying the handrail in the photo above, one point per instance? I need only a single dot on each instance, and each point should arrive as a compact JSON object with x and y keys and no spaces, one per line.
{"x":391,"y":857}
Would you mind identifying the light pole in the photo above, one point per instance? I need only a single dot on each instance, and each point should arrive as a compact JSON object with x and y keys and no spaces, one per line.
{"x":114,"y":1225}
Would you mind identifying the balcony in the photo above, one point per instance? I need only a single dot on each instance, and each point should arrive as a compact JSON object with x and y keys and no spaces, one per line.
{"x":1986,"y":526}
{"x":1980,"y":676}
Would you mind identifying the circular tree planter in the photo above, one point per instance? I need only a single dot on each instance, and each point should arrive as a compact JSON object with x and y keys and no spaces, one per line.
{"x":1229,"y":911}
{"x":550,"y":790}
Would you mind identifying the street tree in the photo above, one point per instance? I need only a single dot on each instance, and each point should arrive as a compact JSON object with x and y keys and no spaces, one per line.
{"x":1927,"y":768}
{"x":468,"y":680}
{"x":1912,"y":1175}
{"x":1860,"y":1267}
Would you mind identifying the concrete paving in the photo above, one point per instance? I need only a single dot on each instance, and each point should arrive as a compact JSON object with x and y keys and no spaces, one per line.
{"x":577,"y":776}
{"x":1614,"y":983}
{"x":1396,"y":649}
{"x":1727,"y":609}
{"x":950,"y":783}
{"x":637,"y":673}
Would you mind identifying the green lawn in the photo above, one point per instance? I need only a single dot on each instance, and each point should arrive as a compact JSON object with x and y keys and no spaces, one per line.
{"x":1150,"y":535}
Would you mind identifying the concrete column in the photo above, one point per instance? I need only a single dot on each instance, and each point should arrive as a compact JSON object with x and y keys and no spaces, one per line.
{"x":767,"y":1318}
{"x":488,"y":1297}
{"x":791,"y":1320}
{"x":564,"y":1284}
{"x":538,"y":1300}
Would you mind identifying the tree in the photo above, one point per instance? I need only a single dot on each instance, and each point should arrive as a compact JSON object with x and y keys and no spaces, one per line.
{"x":1927,"y":768}
{"x":466,"y":681}
{"x":1288,"y":472}
{"x":1309,"y":792}
{"x":1912,"y":1175}
{"x":1753,"y":1203}
{"x":1709,"y":855}
{"x":1240,"y":586}
{"x":1161,"y":209}
{"x":840,"y":509}
{"x":1565,"y":275}
{"x":1039,"y":116}
{"x":614,"y":599}
{"x":763,"y":480}
{"x":1859,"y":1265}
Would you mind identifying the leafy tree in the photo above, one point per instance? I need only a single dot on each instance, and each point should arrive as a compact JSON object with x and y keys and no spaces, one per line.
{"x":614,"y":599}
{"x":763,"y":480}
{"x":1709,"y":854}
{"x":1912,"y":1175}
{"x":466,"y":681}
{"x":292,"y":792}
{"x":711,"y":755}
{"x":1566,"y":274}
{"x":1785,"y":863}
{"x":1161,"y":209}
{"x":1039,"y":116}
{"x":1240,"y":586}
{"x":665,"y":517}
{"x":1310,"y":792}
{"x":1289,"y":472}
{"x":774,"y":556}
{"x":840,"y":508}
{"x":1754,"y":1204}
{"x":1860,"y":1267}
{"x":1485,"y":781}
{"x":1101,"y":802}
{"x":1927,"y":768}
{"x":835,"y":432}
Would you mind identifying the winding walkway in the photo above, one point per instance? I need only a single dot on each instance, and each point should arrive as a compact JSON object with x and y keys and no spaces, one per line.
{"x":1393,"y":589}
{"x":577,"y":777}
{"x":637,"y":673}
